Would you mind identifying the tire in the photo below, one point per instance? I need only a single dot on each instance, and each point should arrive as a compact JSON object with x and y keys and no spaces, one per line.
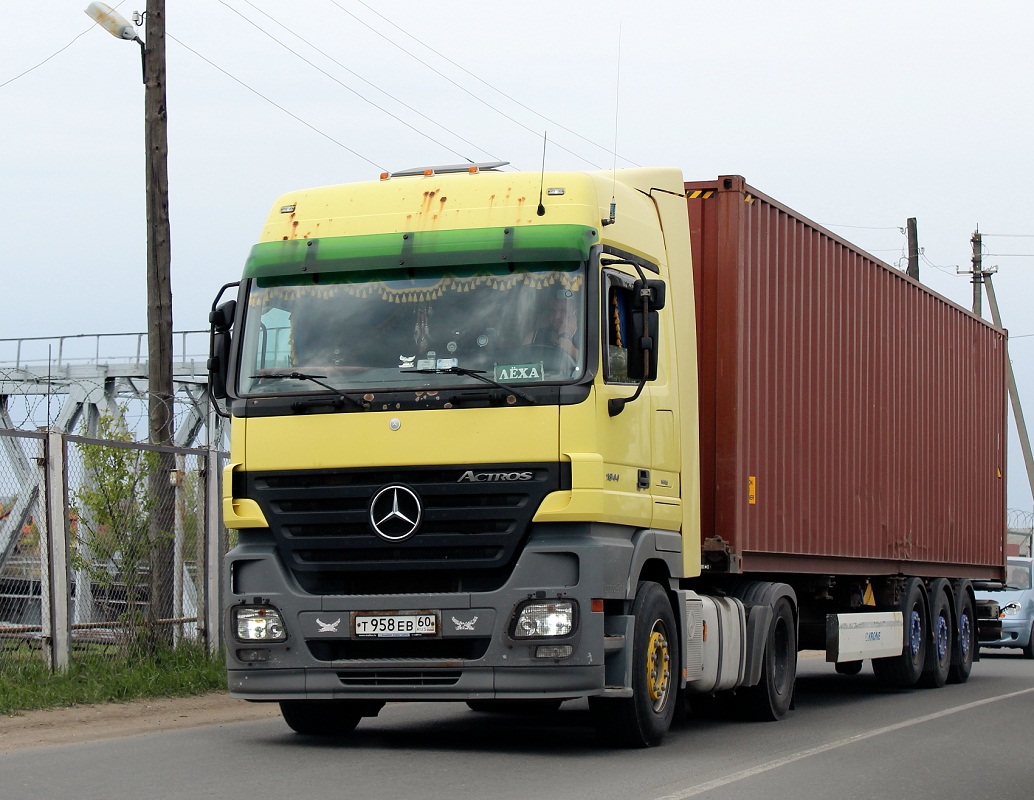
{"x":326,"y":717}
{"x":534,"y":708}
{"x":965,"y":640}
{"x":848,"y":667}
{"x":903,"y":671}
{"x":772,"y":698}
{"x":1028,"y":650}
{"x":643,"y":719}
{"x":942,"y":642}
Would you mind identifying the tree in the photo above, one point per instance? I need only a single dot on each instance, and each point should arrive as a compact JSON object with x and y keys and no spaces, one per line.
{"x":116,"y":545}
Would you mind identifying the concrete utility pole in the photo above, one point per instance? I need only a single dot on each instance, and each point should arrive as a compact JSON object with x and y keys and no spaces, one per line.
{"x":1014,"y":394}
{"x":978,"y":272}
{"x":913,"y":249}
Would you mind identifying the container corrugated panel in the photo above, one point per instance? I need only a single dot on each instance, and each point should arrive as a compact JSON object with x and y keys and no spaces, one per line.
{"x":852,"y":420}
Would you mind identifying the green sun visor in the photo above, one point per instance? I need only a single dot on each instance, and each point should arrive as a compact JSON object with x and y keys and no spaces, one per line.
{"x":421,"y":250}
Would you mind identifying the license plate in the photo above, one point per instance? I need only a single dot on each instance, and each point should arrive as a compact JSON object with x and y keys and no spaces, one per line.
{"x":395,"y":626}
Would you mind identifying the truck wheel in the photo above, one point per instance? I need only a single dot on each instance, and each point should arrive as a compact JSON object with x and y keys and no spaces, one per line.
{"x":1028,"y":651}
{"x":965,"y":641}
{"x":903,"y":671}
{"x":942,"y":646}
{"x":326,"y":717}
{"x":642,"y":719}
{"x":848,"y":667}
{"x":771,"y":699}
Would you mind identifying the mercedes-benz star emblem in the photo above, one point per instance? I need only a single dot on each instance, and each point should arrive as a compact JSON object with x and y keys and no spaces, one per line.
{"x":395,"y":513}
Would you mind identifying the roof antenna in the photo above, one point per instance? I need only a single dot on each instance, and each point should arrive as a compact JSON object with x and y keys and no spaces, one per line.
{"x":614,"y":169}
{"x":542,"y":175}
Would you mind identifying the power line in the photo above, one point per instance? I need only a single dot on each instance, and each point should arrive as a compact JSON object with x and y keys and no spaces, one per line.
{"x":358,"y":76}
{"x":464,"y":89}
{"x":473,"y":75}
{"x":274,"y":103}
{"x":947,"y":270}
{"x":53,"y":55}
{"x":897,"y":228}
{"x":48,"y":58}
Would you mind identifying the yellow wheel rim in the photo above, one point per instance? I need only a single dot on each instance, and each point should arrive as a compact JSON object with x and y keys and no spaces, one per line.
{"x":658,"y":667}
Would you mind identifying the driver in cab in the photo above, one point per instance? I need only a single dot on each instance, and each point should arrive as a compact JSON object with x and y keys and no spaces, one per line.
{"x":557,"y":327}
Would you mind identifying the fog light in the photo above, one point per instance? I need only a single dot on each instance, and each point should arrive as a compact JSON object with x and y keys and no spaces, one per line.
{"x":537,"y":620}
{"x":554,"y":651}
{"x":253,"y":656}
{"x":259,"y":624}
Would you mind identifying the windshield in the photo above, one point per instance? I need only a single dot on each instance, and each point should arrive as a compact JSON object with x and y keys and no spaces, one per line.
{"x":1018,"y":575}
{"x":515,"y":324}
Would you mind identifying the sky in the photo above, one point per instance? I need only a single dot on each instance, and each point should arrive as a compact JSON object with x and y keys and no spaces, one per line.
{"x":856,"y":115}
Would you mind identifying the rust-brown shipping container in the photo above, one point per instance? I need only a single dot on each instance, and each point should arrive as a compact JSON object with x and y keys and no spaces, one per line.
{"x":853,"y":422}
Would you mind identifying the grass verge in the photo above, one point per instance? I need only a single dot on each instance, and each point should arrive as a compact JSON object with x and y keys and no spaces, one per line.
{"x":95,"y":677}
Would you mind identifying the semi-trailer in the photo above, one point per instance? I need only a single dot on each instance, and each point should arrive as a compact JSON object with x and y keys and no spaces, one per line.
{"x":510,"y":438}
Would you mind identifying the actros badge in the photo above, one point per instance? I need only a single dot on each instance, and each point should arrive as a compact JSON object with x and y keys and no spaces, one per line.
{"x":395,"y":513}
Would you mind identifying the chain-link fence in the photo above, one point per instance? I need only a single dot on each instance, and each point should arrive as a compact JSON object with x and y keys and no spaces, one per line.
{"x":107,"y":546}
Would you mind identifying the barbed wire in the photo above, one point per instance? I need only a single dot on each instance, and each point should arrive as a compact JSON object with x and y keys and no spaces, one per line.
{"x":33,"y":403}
{"x":1021,"y":520}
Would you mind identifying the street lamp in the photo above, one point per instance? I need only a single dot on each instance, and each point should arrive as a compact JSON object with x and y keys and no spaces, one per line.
{"x":119,"y":27}
{"x":159,"y":289}
{"x":113,"y":22}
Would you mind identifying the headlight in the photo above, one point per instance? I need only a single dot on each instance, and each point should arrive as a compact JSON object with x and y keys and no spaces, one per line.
{"x":538,"y":620}
{"x":259,"y":624}
{"x":1010,"y":609}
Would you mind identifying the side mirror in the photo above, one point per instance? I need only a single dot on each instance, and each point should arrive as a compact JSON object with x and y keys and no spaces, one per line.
{"x":654,"y":291}
{"x":221,"y":319}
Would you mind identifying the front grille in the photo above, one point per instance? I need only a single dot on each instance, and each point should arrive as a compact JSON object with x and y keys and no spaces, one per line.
{"x":469,"y":530}
{"x":459,"y":649}
{"x":399,"y":679}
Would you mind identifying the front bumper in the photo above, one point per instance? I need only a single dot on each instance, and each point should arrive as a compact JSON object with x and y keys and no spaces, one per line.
{"x":1014,"y":633}
{"x":474,"y":656}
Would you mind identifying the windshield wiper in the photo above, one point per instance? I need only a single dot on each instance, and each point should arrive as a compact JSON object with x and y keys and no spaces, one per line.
{"x":479,"y":374}
{"x":304,"y":376}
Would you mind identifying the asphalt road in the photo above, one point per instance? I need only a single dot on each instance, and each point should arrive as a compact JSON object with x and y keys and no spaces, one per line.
{"x":848,"y":738}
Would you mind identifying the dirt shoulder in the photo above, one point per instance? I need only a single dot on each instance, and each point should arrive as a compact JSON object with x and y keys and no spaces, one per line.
{"x":80,"y":724}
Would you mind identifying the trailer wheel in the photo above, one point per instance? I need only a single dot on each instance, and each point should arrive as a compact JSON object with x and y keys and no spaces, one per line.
{"x":965,"y":641}
{"x":942,"y":645}
{"x":642,"y":719}
{"x":326,"y":717}
{"x":772,"y":698}
{"x":903,"y":671}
